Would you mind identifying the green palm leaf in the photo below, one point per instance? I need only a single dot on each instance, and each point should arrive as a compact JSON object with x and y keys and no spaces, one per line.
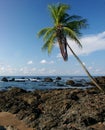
{"x":78,"y":24}
{"x":49,"y":43}
{"x":48,"y":33}
{"x":61,"y":12}
{"x":43,"y":31}
{"x":64,"y":25}
{"x":53,"y":11}
{"x":72,"y":35}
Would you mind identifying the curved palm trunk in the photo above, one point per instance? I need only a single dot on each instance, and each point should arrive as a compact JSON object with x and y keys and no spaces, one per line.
{"x":63,"y":49}
{"x":62,"y":43}
{"x":89,"y":75}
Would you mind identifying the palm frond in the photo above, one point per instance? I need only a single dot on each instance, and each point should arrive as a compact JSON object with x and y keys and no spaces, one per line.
{"x":76,"y":26}
{"x":48,"y":33}
{"x":82,"y":23}
{"x":58,"y":12}
{"x":72,"y":35}
{"x":65,"y":18}
{"x":79,"y":24}
{"x":53,"y":11}
{"x":49,"y":43}
{"x":43,"y":31}
{"x":65,"y":25}
{"x":62,"y":9}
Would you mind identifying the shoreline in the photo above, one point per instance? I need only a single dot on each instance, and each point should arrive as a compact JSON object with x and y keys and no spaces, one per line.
{"x":35,"y":83}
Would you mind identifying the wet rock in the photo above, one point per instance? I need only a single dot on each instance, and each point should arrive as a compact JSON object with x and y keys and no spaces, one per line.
{"x":48,"y":79}
{"x":70,"y":82}
{"x":4,"y":79}
{"x":11,"y":80}
{"x":58,"y":78}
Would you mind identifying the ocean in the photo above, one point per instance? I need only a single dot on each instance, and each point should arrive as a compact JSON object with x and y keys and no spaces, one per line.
{"x":31,"y":83}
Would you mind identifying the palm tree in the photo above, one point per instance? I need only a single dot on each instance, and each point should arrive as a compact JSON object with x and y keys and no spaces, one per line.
{"x":65,"y":26}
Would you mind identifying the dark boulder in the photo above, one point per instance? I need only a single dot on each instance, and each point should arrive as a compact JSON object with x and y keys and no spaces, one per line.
{"x":58,"y":78}
{"x":48,"y":79}
{"x":70,"y":82}
{"x":13,"y":79}
{"x":4,"y":79}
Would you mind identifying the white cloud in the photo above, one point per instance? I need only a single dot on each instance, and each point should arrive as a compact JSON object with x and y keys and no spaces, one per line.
{"x":30,"y":62}
{"x":7,"y":70}
{"x":43,"y":61}
{"x":46,"y":62}
{"x":90,"y":43}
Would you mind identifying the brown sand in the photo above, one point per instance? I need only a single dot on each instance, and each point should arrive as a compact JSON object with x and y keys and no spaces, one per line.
{"x":8,"y":119}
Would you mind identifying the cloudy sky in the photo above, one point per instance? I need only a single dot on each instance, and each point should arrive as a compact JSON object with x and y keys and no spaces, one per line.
{"x":20,"y":48}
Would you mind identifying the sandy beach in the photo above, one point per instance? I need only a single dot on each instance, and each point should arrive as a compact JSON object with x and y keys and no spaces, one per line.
{"x":9,"y":120}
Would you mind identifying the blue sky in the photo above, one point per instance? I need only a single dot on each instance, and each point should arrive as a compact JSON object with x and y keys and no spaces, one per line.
{"x":20,"y":48}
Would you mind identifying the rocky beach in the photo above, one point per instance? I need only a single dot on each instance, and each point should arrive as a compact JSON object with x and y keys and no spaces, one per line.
{"x":57,"y":109}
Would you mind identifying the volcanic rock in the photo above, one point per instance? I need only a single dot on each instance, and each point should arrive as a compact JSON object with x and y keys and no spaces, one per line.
{"x":63,"y":109}
{"x":70,"y":82}
{"x":48,"y":79}
{"x":4,"y":79}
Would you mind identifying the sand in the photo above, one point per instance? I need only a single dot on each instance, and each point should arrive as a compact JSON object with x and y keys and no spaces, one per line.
{"x":8,"y":119}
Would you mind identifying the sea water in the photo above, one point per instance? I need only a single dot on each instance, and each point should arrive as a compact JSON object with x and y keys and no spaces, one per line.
{"x":31,"y":83}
